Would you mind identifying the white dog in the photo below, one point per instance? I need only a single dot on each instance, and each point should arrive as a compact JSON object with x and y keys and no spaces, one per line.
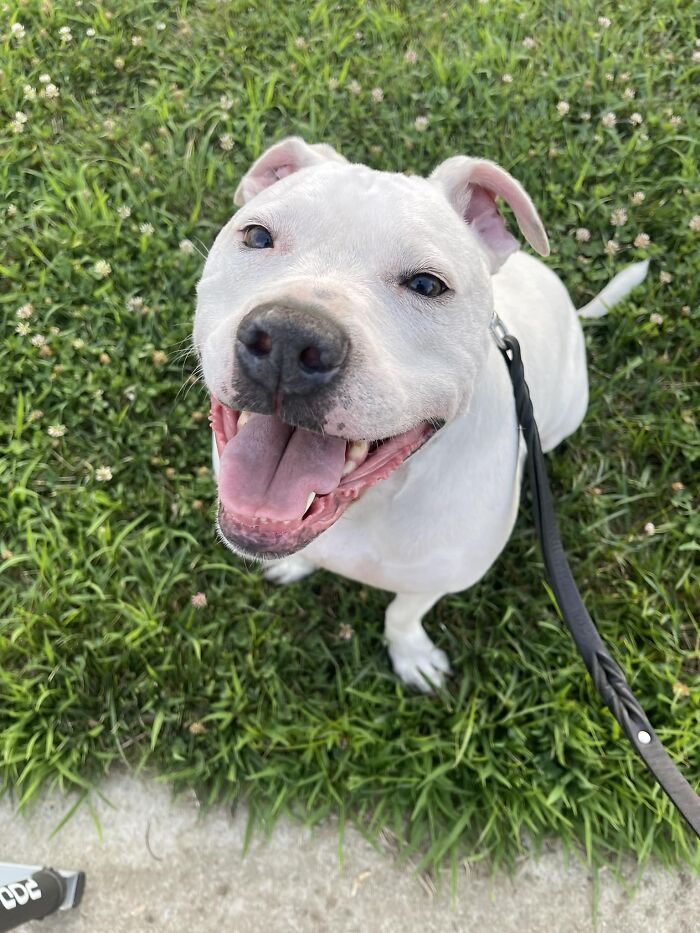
{"x":363,"y":415}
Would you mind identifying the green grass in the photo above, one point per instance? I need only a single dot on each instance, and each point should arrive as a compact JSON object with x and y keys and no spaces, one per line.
{"x":257,"y":697}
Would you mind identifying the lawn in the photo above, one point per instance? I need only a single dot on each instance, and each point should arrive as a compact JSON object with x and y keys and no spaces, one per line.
{"x":124,"y":130}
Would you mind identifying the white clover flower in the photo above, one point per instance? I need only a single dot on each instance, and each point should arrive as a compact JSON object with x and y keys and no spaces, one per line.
{"x":137,"y":40}
{"x":333,"y":84}
{"x":119,"y":63}
{"x":694,"y":223}
{"x":636,"y":119}
{"x":529,"y":42}
{"x":135,"y":304}
{"x":124,"y":212}
{"x":563,"y":108}
{"x":56,"y":430}
{"x":78,"y":343}
{"x":421,"y":124}
{"x":225,"y":102}
{"x":65,"y":34}
{"x":638,"y":197}
{"x":354,"y":87}
{"x":618,"y":217}
{"x":583,"y":235}
{"x":51,"y":91}
{"x":629,"y":93}
{"x":146,"y":229}
{"x":18,"y":31}
{"x":609,"y":119}
{"x":649,"y":528}
{"x":38,"y":340}
{"x":696,"y":56}
{"x":642,"y":240}
{"x":611,"y":247}
{"x":186,"y":246}
{"x":23,"y":329}
{"x":90,"y":32}
{"x":25,"y":311}
{"x":604,"y":22}
{"x":102,"y":269}
{"x":19,"y":121}
{"x":411,"y":56}
{"x":377,"y":95}
{"x":103,"y":474}
{"x":676,"y":120}
{"x":226,"y":142}
{"x":44,"y":79}
{"x":585,"y":116}
{"x":11,"y":210}
{"x":300,"y":42}
{"x":160,"y":27}
{"x":665,"y":277}
{"x":507,"y":78}
{"x":29,"y":92}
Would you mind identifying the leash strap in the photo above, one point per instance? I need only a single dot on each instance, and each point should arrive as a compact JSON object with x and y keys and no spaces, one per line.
{"x":607,"y":676}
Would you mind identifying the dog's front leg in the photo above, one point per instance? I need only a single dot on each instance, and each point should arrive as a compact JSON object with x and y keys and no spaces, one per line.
{"x":288,"y":569}
{"x":415,"y":658}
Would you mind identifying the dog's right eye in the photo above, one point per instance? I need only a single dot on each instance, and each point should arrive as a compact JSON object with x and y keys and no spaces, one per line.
{"x":427,"y":285}
{"x":257,"y":237}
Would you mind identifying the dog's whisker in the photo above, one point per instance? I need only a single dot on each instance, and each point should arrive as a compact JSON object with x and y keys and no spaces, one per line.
{"x":192,"y":380}
{"x":204,"y":252}
{"x":179,"y":343}
{"x":180,"y":355}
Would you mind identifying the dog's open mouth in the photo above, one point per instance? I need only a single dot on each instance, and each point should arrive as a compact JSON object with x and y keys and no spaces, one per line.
{"x":280,"y":486}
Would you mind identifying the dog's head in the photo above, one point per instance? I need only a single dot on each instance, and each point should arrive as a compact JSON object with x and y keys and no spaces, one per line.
{"x":342,"y":318}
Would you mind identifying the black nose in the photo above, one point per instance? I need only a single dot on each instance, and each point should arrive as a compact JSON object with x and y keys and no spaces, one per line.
{"x":290,"y":350}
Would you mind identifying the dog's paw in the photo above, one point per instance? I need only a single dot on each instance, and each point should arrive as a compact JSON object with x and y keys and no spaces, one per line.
{"x":418,"y":662}
{"x":288,"y":570}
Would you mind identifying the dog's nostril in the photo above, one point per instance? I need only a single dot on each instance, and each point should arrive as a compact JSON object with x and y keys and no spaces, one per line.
{"x":311,"y":359}
{"x":259,"y":343}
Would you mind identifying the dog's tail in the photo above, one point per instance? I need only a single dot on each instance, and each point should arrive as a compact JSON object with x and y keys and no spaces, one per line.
{"x":616,"y":290}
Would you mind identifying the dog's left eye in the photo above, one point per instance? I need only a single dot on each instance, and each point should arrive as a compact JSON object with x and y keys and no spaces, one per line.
{"x":257,"y":237}
{"x":430,"y":286}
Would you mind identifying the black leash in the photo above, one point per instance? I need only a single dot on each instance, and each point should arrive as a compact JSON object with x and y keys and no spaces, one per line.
{"x":607,"y":676}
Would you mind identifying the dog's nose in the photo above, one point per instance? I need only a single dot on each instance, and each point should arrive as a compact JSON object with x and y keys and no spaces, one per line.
{"x":290,"y":350}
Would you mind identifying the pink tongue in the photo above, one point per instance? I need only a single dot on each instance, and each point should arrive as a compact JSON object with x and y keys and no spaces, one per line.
{"x":269,"y":468}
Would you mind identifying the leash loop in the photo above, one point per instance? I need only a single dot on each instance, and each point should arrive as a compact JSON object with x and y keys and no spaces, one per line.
{"x":608,"y":678}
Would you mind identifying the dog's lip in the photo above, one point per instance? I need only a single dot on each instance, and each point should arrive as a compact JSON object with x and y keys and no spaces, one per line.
{"x":260,"y":536}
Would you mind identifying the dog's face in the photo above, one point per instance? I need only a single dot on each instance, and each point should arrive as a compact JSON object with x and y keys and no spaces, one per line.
{"x":342,"y":317}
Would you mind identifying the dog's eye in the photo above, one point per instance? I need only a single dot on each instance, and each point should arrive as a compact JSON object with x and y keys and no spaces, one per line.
{"x":258,"y":238}
{"x":430,"y":286}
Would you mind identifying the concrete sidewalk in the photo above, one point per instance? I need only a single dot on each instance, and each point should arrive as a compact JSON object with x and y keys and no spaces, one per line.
{"x":161,"y":866}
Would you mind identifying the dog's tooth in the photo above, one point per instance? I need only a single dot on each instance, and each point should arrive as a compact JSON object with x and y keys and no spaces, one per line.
{"x":350,"y":465}
{"x":357,"y":451}
{"x":243,"y":418}
{"x":312,"y":496}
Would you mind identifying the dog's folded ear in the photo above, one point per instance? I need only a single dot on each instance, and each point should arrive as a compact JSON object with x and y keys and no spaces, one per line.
{"x":471,"y":186}
{"x":284,"y":158}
